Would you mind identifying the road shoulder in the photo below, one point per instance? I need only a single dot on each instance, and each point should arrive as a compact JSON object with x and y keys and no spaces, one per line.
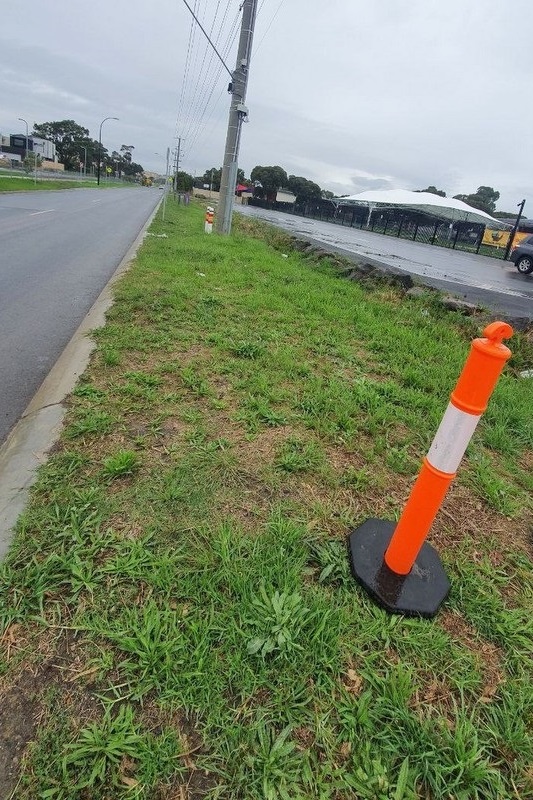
{"x":27,"y":445}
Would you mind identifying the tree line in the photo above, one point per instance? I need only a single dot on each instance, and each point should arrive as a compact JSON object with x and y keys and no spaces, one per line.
{"x":70,"y":140}
{"x":266,"y":182}
{"x":485,"y":198}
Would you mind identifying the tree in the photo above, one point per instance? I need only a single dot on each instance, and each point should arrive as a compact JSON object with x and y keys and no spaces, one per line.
{"x":121,"y":162}
{"x":304,"y":189}
{"x":133,"y":169}
{"x":212,"y":178}
{"x":64,"y":134}
{"x":70,"y":139}
{"x":327,"y":195}
{"x":433,"y":190}
{"x":29,"y":161}
{"x":268,"y":180}
{"x":76,"y":152}
{"x":115,"y":162}
{"x":126,"y":151}
{"x":485,"y":199}
{"x":184,"y":182}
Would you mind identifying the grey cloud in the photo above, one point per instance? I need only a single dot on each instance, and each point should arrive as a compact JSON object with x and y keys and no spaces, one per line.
{"x":398,"y":93}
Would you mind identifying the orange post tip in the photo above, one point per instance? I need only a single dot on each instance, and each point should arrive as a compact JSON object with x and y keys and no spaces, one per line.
{"x":497,"y":331}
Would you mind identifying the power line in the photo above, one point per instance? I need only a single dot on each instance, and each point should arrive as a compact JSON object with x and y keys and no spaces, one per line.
{"x":269,"y":24}
{"x":185,"y":72}
{"x":208,"y":39}
{"x":197,"y":100}
{"x":186,"y":119}
{"x":214,"y":82}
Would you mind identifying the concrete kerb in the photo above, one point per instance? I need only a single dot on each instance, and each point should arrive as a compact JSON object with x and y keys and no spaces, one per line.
{"x":26,"y":447}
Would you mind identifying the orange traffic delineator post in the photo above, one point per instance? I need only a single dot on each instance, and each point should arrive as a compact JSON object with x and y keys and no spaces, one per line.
{"x":393,"y":562}
{"x":209,"y":217}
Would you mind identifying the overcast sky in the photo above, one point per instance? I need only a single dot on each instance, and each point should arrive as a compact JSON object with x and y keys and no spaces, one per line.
{"x":353,"y":95}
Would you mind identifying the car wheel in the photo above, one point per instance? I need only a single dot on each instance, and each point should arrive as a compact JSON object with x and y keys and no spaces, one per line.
{"x":524,"y":265}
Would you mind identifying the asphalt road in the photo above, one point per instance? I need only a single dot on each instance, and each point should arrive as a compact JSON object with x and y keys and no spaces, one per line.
{"x":487,"y":281}
{"x":57,"y":252}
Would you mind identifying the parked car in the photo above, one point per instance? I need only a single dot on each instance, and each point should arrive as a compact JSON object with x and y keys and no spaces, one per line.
{"x":522,"y":256}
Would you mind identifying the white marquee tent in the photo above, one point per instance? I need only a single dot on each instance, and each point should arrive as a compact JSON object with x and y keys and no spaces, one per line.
{"x":445,"y":208}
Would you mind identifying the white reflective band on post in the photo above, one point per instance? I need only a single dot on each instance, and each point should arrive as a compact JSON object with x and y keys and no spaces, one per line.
{"x":451,"y":439}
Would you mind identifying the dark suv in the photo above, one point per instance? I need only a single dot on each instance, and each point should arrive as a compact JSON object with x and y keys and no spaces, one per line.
{"x":522,"y":256}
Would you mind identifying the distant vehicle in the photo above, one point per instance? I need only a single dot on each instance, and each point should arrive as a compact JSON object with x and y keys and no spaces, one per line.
{"x":522,"y":256}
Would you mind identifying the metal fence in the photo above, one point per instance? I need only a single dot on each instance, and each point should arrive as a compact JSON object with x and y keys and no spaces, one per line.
{"x":416,"y":227}
{"x":56,"y":174}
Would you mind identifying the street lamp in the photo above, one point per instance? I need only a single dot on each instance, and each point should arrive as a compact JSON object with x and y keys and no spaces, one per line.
{"x":35,"y":159}
{"x":100,"y":148}
{"x":84,"y":148}
{"x":23,"y":120}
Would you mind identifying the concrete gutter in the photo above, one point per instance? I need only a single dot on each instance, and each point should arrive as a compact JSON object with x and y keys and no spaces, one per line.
{"x":26,"y":447}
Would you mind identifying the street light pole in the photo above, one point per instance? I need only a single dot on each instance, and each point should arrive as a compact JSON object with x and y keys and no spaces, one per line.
{"x":84,"y":148}
{"x":35,"y":161}
{"x":100,"y":148}
{"x":26,"y":151}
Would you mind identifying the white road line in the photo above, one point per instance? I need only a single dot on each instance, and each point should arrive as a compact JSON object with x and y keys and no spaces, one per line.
{"x":48,"y":211}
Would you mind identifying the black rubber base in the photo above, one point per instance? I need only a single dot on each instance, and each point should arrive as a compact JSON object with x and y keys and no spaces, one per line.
{"x":418,"y":594}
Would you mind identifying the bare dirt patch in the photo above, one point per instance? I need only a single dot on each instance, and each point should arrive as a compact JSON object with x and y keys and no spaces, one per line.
{"x":464,"y":517}
{"x":23,"y":709}
{"x":490,"y":657}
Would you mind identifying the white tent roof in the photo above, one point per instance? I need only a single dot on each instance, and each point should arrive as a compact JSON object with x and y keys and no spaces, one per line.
{"x":428,"y":203}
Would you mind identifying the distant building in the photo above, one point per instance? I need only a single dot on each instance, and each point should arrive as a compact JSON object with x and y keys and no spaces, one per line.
{"x":285,"y":196}
{"x":15,"y":147}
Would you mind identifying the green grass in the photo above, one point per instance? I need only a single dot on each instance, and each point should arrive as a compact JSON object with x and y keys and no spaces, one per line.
{"x":177,"y":609}
{"x":27,"y":184}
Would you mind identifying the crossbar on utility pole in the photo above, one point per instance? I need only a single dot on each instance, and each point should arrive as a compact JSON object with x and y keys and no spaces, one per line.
{"x":237,"y":114}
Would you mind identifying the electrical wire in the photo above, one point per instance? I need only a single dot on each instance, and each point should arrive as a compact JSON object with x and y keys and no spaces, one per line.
{"x":185,"y":73}
{"x":198,"y":97}
{"x":193,"y":71}
{"x":208,"y":39}
{"x":201,"y":132}
{"x":206,"y":50}
{"x":200,"y":125}
{"x":195,"y":123}
{"x":256,"y":48}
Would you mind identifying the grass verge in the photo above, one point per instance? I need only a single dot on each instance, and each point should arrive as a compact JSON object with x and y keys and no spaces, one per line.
{"x":177,"y":614}
{"x":8,"y":184}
